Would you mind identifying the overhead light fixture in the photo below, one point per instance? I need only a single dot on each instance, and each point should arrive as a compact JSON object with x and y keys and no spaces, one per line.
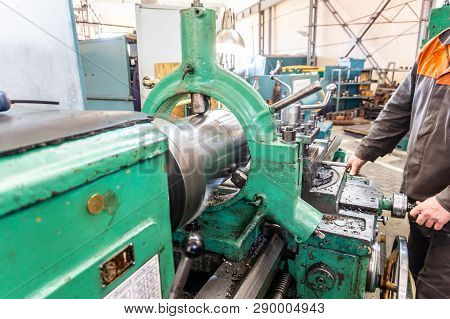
{"x":228,"y":40}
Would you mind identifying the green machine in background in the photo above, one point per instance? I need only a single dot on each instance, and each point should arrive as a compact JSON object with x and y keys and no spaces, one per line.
{"x":108,"y":74}
{"x":439,"y":21}
{"x":108,"y":204}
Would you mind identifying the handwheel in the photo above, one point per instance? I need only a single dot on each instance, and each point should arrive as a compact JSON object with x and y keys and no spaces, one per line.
{"x":396,"y":279}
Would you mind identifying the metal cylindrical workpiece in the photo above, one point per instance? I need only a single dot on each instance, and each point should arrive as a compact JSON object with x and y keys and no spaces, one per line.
{"x":205,"y":150}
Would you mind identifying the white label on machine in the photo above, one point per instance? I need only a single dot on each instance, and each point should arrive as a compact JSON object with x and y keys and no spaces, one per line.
{"x":145,"y":283}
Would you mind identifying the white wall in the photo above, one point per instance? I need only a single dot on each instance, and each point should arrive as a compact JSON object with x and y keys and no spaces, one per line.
{"x":38,"y":52}
{"x":290,"y":17}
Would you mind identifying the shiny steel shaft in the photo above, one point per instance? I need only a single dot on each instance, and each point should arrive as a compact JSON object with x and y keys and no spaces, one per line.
{"x":204,"y":151}
{"x":306,"y":91}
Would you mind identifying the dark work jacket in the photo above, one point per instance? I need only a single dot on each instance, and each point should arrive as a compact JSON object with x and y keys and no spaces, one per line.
{"x":420,"y":105}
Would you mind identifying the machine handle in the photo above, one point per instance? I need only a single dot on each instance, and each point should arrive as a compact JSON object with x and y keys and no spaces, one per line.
{"x":287,"y":86}
{"x":181,"y":277}
{"x":306,"y":91}
{"x":331,"y":88}
{"x":192,"y":248}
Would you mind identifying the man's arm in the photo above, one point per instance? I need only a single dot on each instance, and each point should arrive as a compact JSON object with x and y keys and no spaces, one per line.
{"x":389,"y":127}
{"x":392,"y":123}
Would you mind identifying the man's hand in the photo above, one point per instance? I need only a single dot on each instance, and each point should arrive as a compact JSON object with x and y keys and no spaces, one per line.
{"x":354,"y":163}
{"x":430,"y":213}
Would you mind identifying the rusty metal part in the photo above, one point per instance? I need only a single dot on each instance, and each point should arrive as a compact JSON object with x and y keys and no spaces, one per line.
{"x":117,"y":265}
{"x":387,"y":286}
{"x":394,"y":282}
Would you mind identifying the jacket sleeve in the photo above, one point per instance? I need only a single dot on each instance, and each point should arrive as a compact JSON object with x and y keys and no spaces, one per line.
{"x":391,"y":124}
{"x":444,"y":198}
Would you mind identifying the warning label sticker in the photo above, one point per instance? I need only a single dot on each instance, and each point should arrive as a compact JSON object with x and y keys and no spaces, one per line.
{"x":145,"y":283}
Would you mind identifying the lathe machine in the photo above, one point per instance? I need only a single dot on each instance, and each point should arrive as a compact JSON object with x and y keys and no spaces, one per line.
{"x":222,"y":203}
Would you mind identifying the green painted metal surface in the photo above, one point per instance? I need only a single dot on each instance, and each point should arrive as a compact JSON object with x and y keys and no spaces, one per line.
{"x":229,"y":231}
{"x":275,"y":170}
{"x":439,"y":21}
{"x":339,"y":156}
{"x":52,"y":247}
{"x":44,"y":172}
{"x":403,"y":144}
{"x":385,"y":204}
{"x":348,"y":271}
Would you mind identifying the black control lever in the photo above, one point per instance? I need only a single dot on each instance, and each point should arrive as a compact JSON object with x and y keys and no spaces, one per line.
{"x":192,"y":248}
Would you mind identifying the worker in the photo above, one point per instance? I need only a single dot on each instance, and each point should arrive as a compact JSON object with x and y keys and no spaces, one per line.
{"x":421,"y":105}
